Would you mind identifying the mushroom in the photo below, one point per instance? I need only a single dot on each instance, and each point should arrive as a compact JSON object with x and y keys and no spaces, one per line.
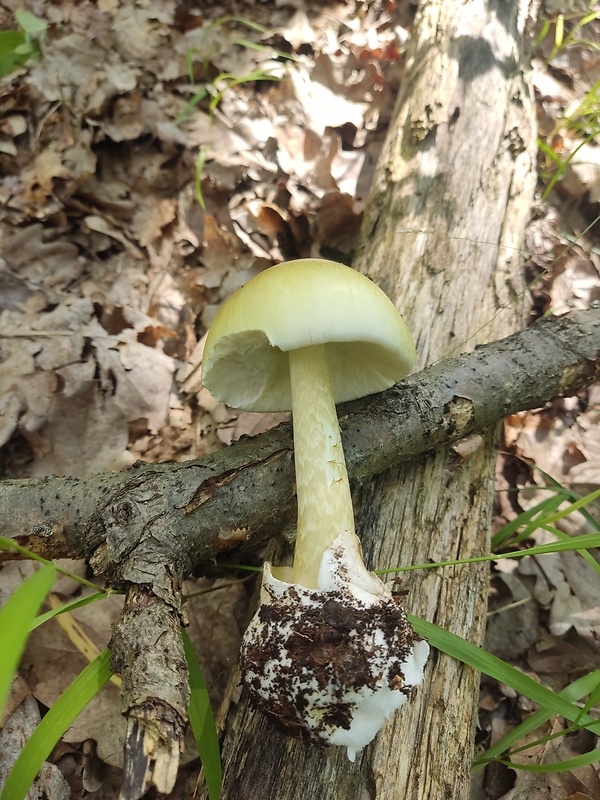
{"x":329,"y":654}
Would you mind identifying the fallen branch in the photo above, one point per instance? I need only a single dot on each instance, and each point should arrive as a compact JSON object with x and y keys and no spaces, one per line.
{"x":155,"y":522}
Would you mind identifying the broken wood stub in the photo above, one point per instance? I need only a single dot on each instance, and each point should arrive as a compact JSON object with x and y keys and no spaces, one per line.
{"x":147,"y":652}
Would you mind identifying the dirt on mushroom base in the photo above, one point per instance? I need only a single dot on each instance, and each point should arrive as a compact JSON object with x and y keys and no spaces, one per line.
{"x":329,"y":665}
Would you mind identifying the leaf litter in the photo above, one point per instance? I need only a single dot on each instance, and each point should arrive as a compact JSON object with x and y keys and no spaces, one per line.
{"x":117,"y":251}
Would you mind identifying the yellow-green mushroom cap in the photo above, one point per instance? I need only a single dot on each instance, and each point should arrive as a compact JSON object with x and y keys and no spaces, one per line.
{"x":298,"y":304}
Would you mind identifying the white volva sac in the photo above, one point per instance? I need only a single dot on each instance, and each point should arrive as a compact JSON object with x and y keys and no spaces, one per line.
{"x":330,"y":664}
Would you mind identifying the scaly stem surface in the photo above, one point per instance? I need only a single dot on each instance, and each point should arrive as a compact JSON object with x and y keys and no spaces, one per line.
{"x":324,"y":501}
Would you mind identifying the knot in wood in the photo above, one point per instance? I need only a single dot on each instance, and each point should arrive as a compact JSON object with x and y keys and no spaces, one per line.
{"x":123,"y":512}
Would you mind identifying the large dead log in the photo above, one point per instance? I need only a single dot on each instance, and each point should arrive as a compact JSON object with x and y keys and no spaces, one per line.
{"x":443,"y":228}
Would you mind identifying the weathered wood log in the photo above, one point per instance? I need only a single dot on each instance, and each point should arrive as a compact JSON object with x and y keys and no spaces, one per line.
{"x":458,"y":161}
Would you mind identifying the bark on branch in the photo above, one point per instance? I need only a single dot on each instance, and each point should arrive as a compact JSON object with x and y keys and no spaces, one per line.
{"x":188,"y":514}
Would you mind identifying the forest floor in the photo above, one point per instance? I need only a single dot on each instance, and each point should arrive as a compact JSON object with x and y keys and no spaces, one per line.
{"x":153,"y":160}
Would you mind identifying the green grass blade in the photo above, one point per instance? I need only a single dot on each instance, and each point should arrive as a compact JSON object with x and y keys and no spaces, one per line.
{"x":548,"y":151}
{"x":12,"y":547}
{"x":15,"y":623}
{"x":583,"y":553}
{"x":592,"y":701}
{"x":560,"y":766}
{"x":543,"y":33}
{"x":572,"y":693}
{"x":245,"y":21}
{"x":189,"y":64}
{"x":575,"y":506}
{"x":203,"y":722}
{"x":485,"y":662}
{"x":554,"y":485}
{"x":202,"y":153}
{"x":544,"y":740}
{"x":190,"y":105}
{"x":506,"y":532}
{"x":548,"y":513}
{"x":559,"y":32}
{"x":571,"y":544}
{"x":49,"y":731}
{"x":72,"y":606}
{"x":231,"y":81}
{"x":584,"y":542}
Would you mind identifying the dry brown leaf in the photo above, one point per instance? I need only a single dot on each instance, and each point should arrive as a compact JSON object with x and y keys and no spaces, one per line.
{"x":139,"y":378}
{"x":127,"y":120}
{"x":37,"y":392}
{"x":56,"y":662}
{"x":577,"y":285}
{"x":298,"y":30}
{"x":11,"y":407}
{"x":583,"y":173}
{"x":140,"y":31}
{"x":12,"y":576}
{"x":151,"y":217}
{"x":337,"y":224}
{"x":512,"y":627}
{"x":570,"y":587}
{"x":560,"y":440}
{"x":91,"y":75}
{"x":72,"y":376}
{"x":16,"y":360}
{"x":38,"y":180}
{"x":109,"y":228}
{"x":41,"y":258}
{"x":17,"y":729}
{"x":324,"y":108}
{"x":556,"y":659}
{"x":585,"y":780}
{"x":86,"y":432}
{"x":11,"y":126}
{"x":101,"y":720}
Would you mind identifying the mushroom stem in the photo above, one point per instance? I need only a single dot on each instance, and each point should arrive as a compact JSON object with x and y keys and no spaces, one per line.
{"x":323,"y":491}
